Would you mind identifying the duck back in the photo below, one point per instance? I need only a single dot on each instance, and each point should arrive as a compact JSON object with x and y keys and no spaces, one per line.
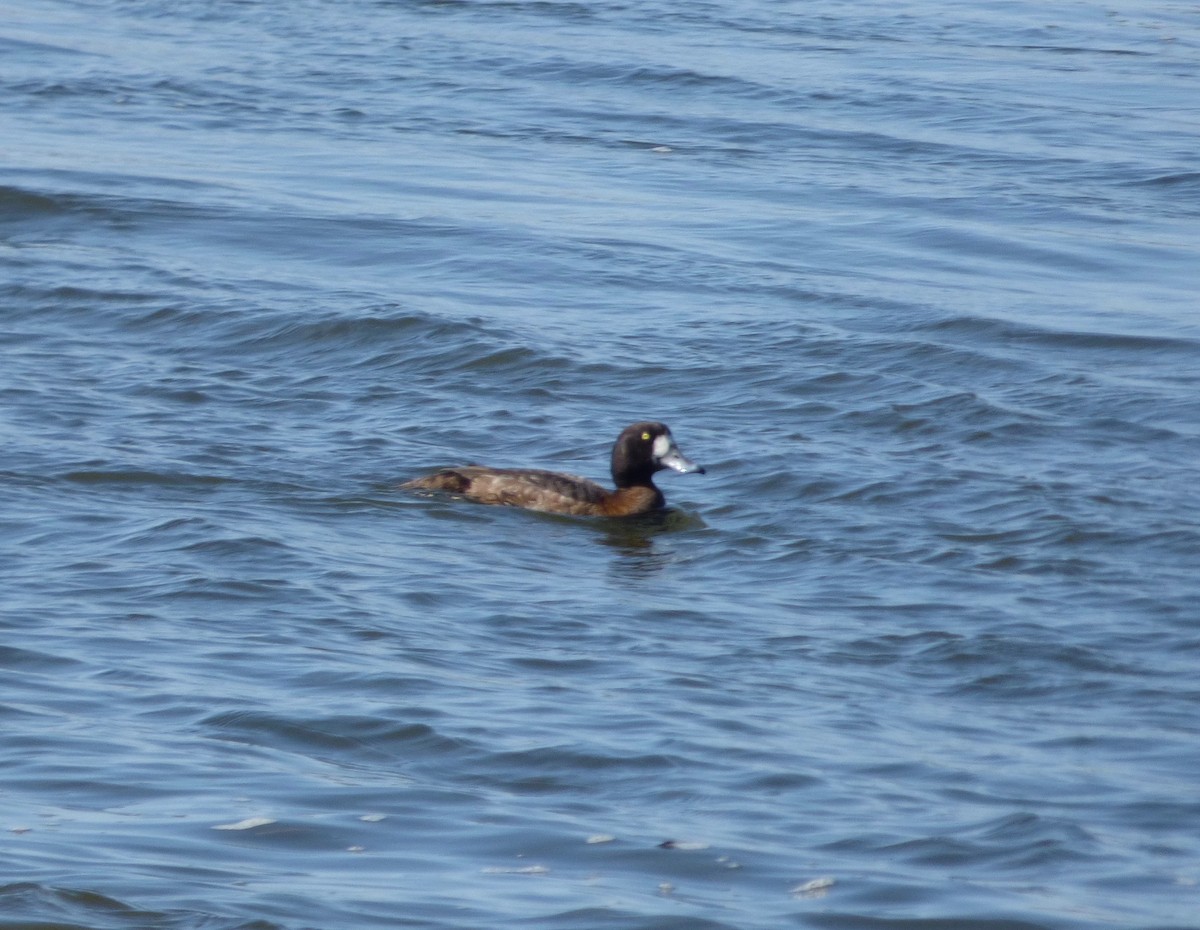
{"x":520,"y":487}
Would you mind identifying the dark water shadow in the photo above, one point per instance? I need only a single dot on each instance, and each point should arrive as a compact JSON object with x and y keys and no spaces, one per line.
{"x":638,"y":541}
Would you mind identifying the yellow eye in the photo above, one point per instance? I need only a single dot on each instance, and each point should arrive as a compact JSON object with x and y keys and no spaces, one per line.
{"x":646,"y":436}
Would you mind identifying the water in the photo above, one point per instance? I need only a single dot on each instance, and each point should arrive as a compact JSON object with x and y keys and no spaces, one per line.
{"x":916,"y":283}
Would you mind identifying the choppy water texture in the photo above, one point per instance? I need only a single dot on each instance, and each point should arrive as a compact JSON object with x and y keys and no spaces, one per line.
{"x":917,"y":282}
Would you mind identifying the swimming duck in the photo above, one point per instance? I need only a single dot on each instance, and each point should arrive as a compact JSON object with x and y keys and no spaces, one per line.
{"x":639,"y":452}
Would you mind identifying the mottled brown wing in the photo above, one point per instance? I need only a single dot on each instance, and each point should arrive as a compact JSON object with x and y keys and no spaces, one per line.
{"x":537,"y":490}
{"x":518,"y":487}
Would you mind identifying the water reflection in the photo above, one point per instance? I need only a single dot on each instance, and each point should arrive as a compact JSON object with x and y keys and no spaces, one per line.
{"x":636,"y":540}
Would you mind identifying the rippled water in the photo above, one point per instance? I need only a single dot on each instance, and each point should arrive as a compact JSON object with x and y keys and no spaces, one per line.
{"x":916,"y":282}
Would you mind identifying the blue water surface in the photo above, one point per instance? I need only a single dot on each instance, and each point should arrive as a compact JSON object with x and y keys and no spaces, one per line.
{"x":916,"y":282}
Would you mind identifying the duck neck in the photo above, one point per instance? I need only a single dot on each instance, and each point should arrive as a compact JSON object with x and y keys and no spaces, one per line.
{"x":633,"y":478}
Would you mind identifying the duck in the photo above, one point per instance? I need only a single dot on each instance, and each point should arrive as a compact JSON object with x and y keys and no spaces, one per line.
{"x":639,"y":452}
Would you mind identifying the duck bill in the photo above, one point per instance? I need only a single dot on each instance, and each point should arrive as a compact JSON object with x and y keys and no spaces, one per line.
{"x":680,"y":462}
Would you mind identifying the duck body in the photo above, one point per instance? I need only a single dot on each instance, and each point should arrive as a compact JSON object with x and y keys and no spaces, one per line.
{"x":641,"y":450}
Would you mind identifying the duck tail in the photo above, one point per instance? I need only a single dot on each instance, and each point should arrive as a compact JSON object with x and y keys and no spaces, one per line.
{"x":447,"y":480}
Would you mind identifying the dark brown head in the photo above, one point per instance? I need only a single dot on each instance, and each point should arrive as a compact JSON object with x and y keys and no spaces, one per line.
{"x":643,"y":449}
